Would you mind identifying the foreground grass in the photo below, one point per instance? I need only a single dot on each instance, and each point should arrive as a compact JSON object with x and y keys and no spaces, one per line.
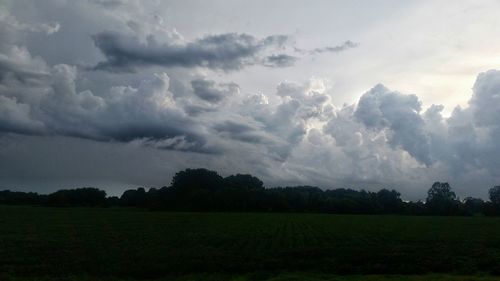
{"x":280,"y":277}
{"x":135,"y":244}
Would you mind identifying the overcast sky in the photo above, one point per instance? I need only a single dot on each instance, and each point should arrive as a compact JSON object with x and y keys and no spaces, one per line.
{"x":361,"y":94}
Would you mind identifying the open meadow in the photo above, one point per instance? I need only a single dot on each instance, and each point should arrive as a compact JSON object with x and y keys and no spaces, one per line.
{"x":122,"y":243}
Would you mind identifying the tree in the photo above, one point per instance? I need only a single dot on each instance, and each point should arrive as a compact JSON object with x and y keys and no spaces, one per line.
{"x":133,"y":197}
{"x":492,"y":208}
{"x":494,"y":193}
{"x":389,"y":200}
{"x":441,"y":199}
{"x":195,"y":190}
{"x":244,"y":181}
{"x":440,"y":192}
{"x":19,"y":198}
{"x":473,"y":205}
{"x":192,"y":179}
{"x":86,"y":196}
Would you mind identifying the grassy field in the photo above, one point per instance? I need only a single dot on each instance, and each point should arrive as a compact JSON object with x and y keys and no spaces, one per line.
{"x":38,"y":243}
{"x":276,"y":277}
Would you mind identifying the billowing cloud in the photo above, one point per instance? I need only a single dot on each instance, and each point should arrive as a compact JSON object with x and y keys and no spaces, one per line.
{"x":211,"y":91}
{"x":476,"y":128}
{"x":15,"y":117}
{"x":173,"y":103}
{"x":46,"y":101}
{"x":485,"y":102}
{"x":380,"y":108}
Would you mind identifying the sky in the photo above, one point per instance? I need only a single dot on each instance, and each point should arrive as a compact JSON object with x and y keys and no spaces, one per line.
{"x":367,"y":95}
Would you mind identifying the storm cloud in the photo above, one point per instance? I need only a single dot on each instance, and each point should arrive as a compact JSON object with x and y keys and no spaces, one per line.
{"x":212,"y":92}
{"x":47,"y":103}
{"x":124,"y":93}
{"x":230,"y":51}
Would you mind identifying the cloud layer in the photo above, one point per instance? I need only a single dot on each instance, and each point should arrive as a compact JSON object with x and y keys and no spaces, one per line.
{"x":230,"y":51}
{"x":156,"y":93}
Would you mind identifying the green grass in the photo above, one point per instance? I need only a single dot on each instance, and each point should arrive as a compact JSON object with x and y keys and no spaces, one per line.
{"x":130,"y":243}
{"x":276,"y":277}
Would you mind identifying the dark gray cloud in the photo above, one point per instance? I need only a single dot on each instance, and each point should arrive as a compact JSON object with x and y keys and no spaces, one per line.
{"x":211,"y":91}
{"x":109,"y":4}
{"x":330,"y":49}
{"x":230,"y":51}
{"x":195,"y":110}
{"x":242,"y":132}
{"x":335,"y":49}
{"x":15,"y":117}
{"x":281,"y":60}
{"x":77,"y":162}
{"x":52,"y":105}
{"x":14,"y":72}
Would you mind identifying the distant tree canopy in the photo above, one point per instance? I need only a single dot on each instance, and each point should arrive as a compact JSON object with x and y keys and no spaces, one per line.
{"x":197,"y":179}
{"x":493,"y":207}
{"x":134,"y":197}
{"x":205,"y":190}
{"x":85,"y":197}
{"x":21,"y":198}
{"x":248,"y":182}
{"x":440,"y":192}
{"x":494,"y":194}
{"x":442,"y":200}
{"x":473,"y":205}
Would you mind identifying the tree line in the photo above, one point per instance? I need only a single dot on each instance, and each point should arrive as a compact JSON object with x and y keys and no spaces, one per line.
{"x":205,"y":190}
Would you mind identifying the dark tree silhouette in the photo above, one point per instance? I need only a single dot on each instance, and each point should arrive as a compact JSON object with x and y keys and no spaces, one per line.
{"x":21,"y":198}
{"x":87,"y":196}
{"x":492,"y":208}
{"x":197,"y":179}
{"x":389,"y":201}
{"x":494,"y":194}
{"x":205,"y":190}
{"x":244,"y":181}
{"x":473,"y":205}
{"x":194,"y":189}
{"x":440,"y":192}
{"x":442,"y":200}
{"x":133,"y":197}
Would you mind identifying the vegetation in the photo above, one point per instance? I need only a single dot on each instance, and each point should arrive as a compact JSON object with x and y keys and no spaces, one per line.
{"x":205,"y":190}
{"x":132,"y":243}
{"x":293,"y":276}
